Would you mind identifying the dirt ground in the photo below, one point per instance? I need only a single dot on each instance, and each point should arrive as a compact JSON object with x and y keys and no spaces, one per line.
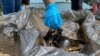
{"x":7,"y":47}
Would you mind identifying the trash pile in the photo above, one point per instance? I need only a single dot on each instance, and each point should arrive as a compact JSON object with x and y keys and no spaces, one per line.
{"x":79,"y":35}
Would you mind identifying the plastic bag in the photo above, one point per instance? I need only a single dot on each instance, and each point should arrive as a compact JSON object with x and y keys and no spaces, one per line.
{"x":28,"y":38}
{"x":88,"y":23}
{"x":29,"y":31}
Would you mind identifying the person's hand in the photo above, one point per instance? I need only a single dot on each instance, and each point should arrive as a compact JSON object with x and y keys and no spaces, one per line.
{"x":52,"y":17}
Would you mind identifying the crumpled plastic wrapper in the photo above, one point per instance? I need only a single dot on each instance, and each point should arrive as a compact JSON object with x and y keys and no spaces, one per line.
{"x":15,"y":22}
{"x":29,"y":27}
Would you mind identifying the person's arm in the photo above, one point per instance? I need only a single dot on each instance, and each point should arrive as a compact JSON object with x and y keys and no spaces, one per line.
{"x":46,"y":2}
{"x":52,"y":17}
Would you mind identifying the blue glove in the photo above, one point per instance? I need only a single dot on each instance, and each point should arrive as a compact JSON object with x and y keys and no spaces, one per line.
{"x":52,"y":17}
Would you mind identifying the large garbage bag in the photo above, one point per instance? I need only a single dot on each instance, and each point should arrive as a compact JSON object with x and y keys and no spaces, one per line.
{"x":92,"y":34}
{"x":30,"y":30}
{"x":88,"y":23}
